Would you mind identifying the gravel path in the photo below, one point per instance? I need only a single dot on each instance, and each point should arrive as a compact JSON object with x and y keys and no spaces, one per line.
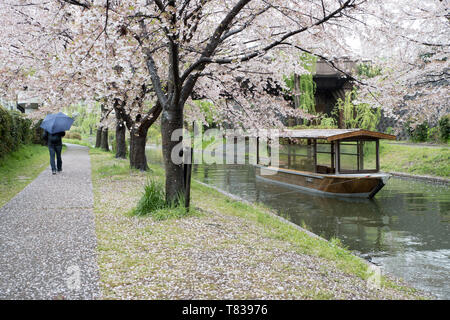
{"x":47,"y":235}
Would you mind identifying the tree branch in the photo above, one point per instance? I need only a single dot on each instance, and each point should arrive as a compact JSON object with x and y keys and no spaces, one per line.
{"x":151,"y":116}
{"x":205,"y":58}
{"x":209,"y":50}
{"x":84,"y":4}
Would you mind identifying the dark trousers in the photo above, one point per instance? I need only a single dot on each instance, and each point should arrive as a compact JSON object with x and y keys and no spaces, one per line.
{"x":55,"y":150}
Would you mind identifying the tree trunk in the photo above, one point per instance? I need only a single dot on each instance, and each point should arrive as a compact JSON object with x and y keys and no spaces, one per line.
{"x":104,"y":140}
{"x":170,"y":121}
{"x":98,"y":138}
{"x":138,"y":159}
{"x":297,"y":91}
{"x":121,"y":147}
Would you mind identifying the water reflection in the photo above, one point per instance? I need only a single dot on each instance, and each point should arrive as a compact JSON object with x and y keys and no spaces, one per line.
{"x":405,"y":228}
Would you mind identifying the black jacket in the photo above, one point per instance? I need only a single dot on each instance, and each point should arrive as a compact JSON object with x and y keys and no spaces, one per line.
{"x":54,"y":139}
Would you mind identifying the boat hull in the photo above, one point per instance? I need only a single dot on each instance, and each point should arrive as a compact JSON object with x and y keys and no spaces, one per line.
{"x":358,"y":185}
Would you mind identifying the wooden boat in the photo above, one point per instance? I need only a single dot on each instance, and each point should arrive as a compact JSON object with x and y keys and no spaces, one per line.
{"x":337,"y":162}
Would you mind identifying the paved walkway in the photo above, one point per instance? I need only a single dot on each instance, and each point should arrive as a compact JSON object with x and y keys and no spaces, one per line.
{"x":47,"y":235}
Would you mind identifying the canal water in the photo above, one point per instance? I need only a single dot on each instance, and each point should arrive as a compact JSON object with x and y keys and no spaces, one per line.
{"x":405,"y":229}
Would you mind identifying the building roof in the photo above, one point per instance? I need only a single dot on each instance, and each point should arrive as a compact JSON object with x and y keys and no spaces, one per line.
{"x":334,"y":134}
{"x":326,"y":69}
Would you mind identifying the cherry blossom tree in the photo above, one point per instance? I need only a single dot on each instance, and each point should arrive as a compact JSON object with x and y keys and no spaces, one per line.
{"x":208,"y":45}
{"x":412,"y":52}
{"x":152,"y":57}
{"x":61,"y":60}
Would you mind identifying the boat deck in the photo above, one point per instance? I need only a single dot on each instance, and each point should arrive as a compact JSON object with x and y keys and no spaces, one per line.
{"x":339,"y":175}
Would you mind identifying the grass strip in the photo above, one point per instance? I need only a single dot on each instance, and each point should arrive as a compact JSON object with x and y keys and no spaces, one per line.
{"x":19,"y":168}
{"x":415,"y":160}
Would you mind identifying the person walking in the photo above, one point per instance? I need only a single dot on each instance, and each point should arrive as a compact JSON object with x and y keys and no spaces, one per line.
{"x":54,"y":142}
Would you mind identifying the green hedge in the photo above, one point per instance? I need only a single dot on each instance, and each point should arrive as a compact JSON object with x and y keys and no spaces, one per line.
{"x":444,"y":128}
{"x":15,"y":130}
{"x":37,"y":133}
{"x":423,"y":132}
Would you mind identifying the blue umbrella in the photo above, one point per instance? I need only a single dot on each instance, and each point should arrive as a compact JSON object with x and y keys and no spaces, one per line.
{"x":58,"y":122}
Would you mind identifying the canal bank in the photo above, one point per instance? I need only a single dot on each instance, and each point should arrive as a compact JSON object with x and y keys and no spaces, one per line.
{"x":405,"y":229}
{"x":225,"y":249}
{"x":429,"y":178}
{"x":416,"y":160}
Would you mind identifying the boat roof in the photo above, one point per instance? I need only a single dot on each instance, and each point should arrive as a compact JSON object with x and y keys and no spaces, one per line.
{"x":334,"y":134}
